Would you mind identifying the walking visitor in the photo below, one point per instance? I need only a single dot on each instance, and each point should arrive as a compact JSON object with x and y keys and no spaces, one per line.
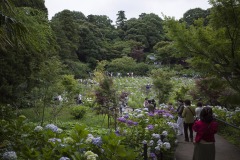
{"x":180,"y":119}
{"x":206,"y":128}
{"x":188,"y":120}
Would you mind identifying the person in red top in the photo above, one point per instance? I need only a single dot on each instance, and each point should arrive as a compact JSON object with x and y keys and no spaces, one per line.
{"x":204,"y":148}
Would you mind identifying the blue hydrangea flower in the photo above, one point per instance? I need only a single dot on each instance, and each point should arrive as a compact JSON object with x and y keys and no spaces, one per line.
{"x":156,"y":136}
{"x":52,"y":127}
{"x":54,"y":140}
{"x":10,"y":155}
{"x":64,"y":158}
{"x":97,"y":141}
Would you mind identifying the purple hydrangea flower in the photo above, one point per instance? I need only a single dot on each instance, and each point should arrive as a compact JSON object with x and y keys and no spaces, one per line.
{"x":117,"y":132}
{"x":126,"y":116}
{"x":135,"y":123}
{"x":122,"y":119}
{"x":151,"y":114}
{"x":150,"y":127}
{"x":152,"y":155}
{"x":130,"y":123}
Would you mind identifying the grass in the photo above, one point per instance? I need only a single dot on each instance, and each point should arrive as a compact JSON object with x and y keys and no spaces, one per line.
{"x":64,"y":118}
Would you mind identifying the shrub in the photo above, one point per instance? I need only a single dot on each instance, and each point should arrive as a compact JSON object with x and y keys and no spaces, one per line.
{"x":78,"y":111}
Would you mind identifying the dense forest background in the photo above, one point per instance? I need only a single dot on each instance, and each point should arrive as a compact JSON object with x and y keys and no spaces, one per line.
{"x":36,"y":52}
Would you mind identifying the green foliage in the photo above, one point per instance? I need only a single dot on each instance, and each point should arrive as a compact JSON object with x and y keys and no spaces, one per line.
{"x":139,"y":128}
{"x":26,"y":58}
{"x":121,"y":19}
{"x":194,"y":14}
{"x":106,"y":97}
{"x":78,"y":111}
{"x":51,"y":142}
{"x":70,"y":84}
{"x":37,"y":4}
{"x":212,"y":49}
{"x":12,"y":31}
{"x":147,"y":29}
{"x":133,"y":104}
{"x":162,"y":84}
{"x":165,"y":52}
{"x":213,"y":91}
{"x":127,"y":65}
{"x":6,"y":112}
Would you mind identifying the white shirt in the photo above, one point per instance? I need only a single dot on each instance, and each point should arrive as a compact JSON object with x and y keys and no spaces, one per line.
{"x":198,"y":111}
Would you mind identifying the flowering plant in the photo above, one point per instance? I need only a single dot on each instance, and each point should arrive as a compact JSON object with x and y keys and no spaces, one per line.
{"x":157,"y":130}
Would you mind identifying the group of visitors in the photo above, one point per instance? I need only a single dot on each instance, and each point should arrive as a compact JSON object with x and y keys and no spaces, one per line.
{"x":201,"y":121}
{"x":150,"y":104}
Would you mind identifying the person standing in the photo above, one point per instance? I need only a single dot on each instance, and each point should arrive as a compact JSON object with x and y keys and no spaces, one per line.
{"x":180,"y":119}
{"x":198,"y":110}
{"x":206,"y":128}
{"x":188,"y":120}
{"x":145,"y":103}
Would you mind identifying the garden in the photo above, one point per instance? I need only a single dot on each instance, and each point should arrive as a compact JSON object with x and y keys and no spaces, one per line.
{"x":73,"y":87}
{"x":90,"y":131}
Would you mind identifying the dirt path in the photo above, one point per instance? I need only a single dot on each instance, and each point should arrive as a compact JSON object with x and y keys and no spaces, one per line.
{"x":224,"y":150}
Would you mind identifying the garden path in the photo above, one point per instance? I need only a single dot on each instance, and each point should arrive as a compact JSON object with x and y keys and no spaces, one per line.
{"x":224,"y":150}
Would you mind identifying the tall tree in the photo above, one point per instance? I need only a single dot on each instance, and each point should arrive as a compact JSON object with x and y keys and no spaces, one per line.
{"x":213,"y":49}
{"x":66,"y":26}
{"x":36,"y":4}
{"x":11,"y":30}
{"x":20,"y":65}
{"x":147,"y":29}
{"x":121,"y":19}
{"x":194,"y":14}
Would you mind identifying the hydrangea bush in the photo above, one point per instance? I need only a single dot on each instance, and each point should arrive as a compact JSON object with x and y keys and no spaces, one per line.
{"x":157,"y":130}
{"x":24,"y":140}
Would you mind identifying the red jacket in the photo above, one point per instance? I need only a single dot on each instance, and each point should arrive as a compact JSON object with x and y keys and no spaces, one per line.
{"x":205,"y":131}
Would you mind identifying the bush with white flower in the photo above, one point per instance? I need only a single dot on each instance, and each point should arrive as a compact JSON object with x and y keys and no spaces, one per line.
{"x":50,"y":142}
{"x":157,"y":130}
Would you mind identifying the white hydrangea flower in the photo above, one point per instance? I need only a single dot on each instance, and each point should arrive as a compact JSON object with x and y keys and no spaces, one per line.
{"x":167,"y":145}
{"x":158,"y":148}
{"x":68,"y":140}
{"x":89,"y":138}
{"x":145,"y":109}
{"x":165,"y":133}
{"x":156,"y":136}
{"x":54,"y":140}
{"x":159,"y":142}
{"x":151,"y":143}
{"x":10,"y":155}
{"x":90,"y":155}
{"x":144,"y":142}
{"x":140,"y":116}
{"x":59,"y":130}
{"x":38,"y":128}
{"x":64,"y":158}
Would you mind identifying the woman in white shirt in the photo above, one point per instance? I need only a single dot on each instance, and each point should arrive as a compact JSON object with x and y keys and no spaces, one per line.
{"x":198,"y":110}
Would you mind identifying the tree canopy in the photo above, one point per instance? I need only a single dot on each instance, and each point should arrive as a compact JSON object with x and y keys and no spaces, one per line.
{"x":212,"y":49}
